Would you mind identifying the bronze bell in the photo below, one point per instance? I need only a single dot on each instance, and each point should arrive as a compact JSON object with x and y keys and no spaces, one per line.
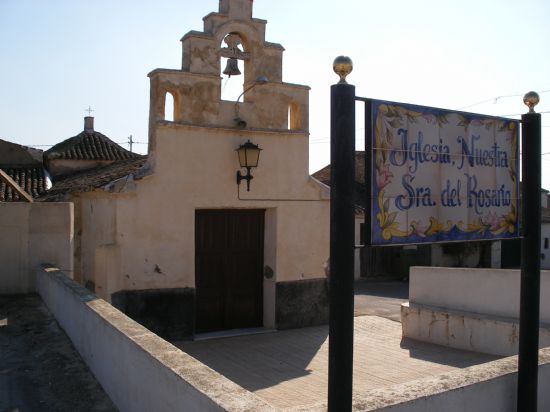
{"x":232,"y":68}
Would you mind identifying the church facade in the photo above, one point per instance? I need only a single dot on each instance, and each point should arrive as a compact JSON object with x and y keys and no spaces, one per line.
{"x":189,"y":243}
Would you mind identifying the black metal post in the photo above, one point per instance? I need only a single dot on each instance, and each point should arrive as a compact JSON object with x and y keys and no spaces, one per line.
{"x":342,"y":240}
{"x":530,"y":264}
{"x":368,"y":186}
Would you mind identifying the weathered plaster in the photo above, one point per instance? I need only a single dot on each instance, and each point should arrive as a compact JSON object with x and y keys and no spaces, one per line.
{"x":472,"y":309}
{"x":61,"y":167}
{"x":32,"y":234}
{"x":138,"y":370}
{"x":147,"y":238}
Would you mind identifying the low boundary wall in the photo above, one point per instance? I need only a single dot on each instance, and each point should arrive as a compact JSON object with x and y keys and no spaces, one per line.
{"x":471,"y":309}
{"x":486,"y":291}
{"x":142,"y":372}
{"x":489,"y":387}
{"x":138,"y":370}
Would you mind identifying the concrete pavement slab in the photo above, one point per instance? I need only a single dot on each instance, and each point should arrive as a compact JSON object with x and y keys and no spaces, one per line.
{"x":290,"y":368}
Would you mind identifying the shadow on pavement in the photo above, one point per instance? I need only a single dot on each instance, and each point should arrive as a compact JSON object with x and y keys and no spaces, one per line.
{"x":260,"y":361}
{"x":444,"y":355}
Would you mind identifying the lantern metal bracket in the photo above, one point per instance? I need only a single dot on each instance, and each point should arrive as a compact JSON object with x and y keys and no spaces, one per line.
{"x":240,"y":122}
{"x":248,"y":177}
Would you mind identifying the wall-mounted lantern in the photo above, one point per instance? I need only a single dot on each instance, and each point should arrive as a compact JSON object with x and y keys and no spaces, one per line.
{"x":249,"y":154}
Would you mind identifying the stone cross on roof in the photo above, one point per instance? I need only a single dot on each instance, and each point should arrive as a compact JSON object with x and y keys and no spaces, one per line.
{"x":89,"y":110}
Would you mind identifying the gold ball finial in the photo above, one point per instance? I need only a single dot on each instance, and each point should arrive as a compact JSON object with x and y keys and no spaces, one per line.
{"x":342,"y":66}
{"x":531,"y":99}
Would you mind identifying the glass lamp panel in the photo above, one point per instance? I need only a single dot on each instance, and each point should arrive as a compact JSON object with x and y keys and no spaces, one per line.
{"x":241,"y":151}
{"x":252,"y":157}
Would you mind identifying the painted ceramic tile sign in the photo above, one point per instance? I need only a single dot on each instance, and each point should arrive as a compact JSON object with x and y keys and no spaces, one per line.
{"x":441,"y":176}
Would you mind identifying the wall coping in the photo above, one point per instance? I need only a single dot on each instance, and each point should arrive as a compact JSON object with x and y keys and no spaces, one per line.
{"x":225,"y":393}
{"x":466,"y":314}
{"x":376,"y":399}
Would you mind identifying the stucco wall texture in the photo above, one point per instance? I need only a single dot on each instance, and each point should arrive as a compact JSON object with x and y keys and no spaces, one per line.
{"x":141,"y":235}
{"x":471,"y":309}
{"x":32,"y":234}
{"x":138,"y":370}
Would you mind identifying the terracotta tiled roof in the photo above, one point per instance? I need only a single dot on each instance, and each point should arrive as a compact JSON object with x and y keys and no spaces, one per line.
{"x":32,"y":179}
{"x":89,"y":180}
{"x":15,"y":154}
{"x":323,"y":176}
{"x":88,"y":145}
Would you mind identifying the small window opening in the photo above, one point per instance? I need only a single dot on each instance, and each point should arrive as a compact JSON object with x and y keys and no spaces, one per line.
{"x":546,"y":243}
{"x":169,"y":107}
{"x":294,"y":117}
{"x":289,"y":113}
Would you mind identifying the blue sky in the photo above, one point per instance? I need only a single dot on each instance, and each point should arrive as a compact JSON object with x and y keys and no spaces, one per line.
{"x":60,"y":56}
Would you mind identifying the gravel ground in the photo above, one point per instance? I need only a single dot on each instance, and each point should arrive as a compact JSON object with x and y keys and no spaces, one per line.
{"x":40,"y":370}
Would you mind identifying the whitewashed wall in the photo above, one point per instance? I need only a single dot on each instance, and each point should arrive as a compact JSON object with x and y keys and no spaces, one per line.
{"x":31,"y":234}
{"x":138,"y":370}
{"x":471,"y":309}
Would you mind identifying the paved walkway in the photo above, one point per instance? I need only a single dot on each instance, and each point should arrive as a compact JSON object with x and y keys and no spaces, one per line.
{"x":289,"y":368}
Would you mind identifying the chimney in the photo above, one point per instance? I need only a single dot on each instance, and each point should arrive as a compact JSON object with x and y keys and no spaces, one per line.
{"x":88,"y":124}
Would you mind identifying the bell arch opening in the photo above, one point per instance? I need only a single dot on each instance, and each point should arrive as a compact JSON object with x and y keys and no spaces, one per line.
{"x":232,"y":67}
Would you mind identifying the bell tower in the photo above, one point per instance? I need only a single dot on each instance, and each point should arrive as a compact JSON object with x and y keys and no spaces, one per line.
{"x":234,"y":34}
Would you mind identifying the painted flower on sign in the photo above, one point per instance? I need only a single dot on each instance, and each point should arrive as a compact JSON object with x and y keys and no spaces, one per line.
{"x":418,"y":228}
{"x":492,"y":221}
{"x":507,"y":223}
{"x":383,"y":176}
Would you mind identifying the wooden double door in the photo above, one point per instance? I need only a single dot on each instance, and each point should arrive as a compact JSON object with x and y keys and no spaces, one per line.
{"x":229,"y":249}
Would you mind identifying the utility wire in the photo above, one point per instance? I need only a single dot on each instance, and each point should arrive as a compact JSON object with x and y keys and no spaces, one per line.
{"x":53,"y":144}
{"x":519,"y":114}
{"x":496,"y":99}
{"x":492,"y":99}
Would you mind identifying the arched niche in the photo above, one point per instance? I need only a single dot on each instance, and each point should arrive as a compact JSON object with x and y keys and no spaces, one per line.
{"x":171,"y":106}
{"x":294,"y":116}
